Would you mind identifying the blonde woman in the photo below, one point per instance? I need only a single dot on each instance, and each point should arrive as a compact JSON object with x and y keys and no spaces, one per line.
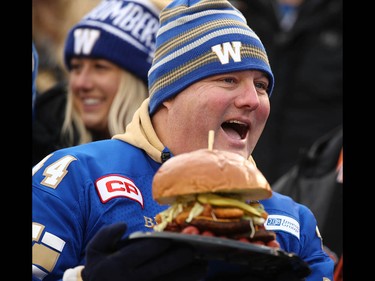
{"x":107,"y":54}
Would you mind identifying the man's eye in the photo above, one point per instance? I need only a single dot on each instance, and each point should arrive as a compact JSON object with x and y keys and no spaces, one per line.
{"x":261,"y":85}
{"x":229,"y":80}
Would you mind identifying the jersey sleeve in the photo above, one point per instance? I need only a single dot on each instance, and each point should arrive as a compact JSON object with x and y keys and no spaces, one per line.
{"x":312,"y":248}
{"x":297,"y":232}
{"x":58,"y":216}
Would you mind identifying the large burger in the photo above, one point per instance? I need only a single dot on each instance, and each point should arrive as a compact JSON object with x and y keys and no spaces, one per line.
{"x":215,"y":193}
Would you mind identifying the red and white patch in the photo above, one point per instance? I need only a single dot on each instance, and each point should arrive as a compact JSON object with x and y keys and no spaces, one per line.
{"x":114,"y":186}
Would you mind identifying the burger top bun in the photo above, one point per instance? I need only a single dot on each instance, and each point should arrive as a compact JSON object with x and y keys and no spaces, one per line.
{"x":207,"y":171}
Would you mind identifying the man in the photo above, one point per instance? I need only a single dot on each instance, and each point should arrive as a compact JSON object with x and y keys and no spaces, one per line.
{"x":210,"y":72}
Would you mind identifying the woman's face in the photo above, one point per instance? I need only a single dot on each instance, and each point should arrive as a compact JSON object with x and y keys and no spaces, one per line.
{"x":94,"y":84}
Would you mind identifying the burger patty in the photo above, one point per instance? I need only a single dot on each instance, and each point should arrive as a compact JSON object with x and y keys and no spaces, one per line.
{"x":231,"y":229}
{"x":222,"y":227}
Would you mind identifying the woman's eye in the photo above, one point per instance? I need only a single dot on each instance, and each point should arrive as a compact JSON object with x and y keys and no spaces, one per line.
{"x":101,"y":66}
{"x":76,"y":66}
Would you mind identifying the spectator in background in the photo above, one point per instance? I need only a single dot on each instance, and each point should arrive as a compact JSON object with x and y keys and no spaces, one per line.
{"x":303,"y":39}
{"x":317,"y":182}
{"x":108,"y":65}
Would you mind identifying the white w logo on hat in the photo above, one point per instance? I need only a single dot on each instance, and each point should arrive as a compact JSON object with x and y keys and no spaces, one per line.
{"x":84,"y":40}
{"x":228,"y":49}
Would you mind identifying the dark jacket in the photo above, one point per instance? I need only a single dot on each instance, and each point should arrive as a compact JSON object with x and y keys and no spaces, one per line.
{"x":47,"y":123}
{"x":314,"y":183}
{"x":307,"y":63}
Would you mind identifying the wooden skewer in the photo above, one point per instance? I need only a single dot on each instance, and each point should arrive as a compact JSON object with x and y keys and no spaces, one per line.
{"x":211,"y":135}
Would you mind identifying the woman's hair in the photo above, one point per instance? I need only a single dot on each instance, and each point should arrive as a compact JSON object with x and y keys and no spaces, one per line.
{"x":133,"y":84}
{"x":130,"y":94}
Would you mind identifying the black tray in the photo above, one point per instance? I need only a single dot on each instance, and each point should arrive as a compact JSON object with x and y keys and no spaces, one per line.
{"x":256,"y":258}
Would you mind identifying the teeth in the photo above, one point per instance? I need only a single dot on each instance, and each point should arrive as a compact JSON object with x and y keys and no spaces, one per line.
{"x":90,"y":101}
{"x":236,"y":122}
{"x":235,"y":128}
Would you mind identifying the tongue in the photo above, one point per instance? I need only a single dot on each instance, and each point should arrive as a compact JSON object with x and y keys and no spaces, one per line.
{"x":232,"y":133}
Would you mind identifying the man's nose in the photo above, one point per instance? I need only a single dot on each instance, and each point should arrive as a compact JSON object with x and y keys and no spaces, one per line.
{"x":248,"y":96}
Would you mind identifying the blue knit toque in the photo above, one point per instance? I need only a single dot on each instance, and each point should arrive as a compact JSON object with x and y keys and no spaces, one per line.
{"x":198,"y":39}
{"x":120,"y":31}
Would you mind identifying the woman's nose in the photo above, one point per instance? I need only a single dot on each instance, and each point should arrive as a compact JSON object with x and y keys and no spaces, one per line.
{"x":82,"y":79}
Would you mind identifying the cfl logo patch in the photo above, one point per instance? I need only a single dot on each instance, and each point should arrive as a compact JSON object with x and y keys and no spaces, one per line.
{"x":228,"y":50}
{"x":114,"y":186}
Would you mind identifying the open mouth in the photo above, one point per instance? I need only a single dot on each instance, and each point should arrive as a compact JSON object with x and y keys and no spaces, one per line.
{"x":235,"y":129}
